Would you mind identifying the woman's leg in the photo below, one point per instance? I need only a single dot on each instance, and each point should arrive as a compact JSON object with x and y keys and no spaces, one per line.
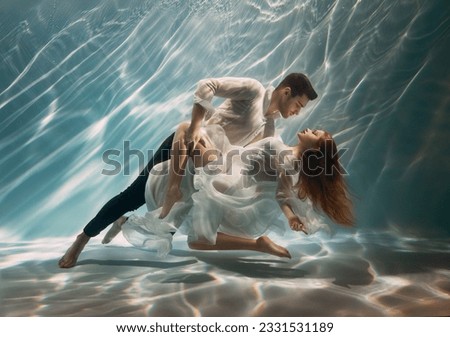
{"x":228,"y":242}
{"x":114,"y":230}
{"x":202,"y":154}
{"x":179,"y":158}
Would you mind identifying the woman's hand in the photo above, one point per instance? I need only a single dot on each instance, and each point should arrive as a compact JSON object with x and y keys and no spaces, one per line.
{"x":297,"y":225}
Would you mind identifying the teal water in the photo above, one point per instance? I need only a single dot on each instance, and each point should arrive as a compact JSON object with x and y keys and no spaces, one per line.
{"x":79,"y":78}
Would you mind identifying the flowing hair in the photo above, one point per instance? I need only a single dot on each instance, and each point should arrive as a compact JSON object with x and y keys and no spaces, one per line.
{"x":321,"y":180}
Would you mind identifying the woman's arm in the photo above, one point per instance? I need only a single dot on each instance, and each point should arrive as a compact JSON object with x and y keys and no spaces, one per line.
{"x":284,"y":190}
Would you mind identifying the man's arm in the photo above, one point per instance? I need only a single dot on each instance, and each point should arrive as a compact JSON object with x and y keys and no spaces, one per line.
{"x":234,"y":88}
{"x":192,"y":133}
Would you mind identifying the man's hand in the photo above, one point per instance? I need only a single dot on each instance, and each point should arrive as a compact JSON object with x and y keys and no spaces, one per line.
{"x":192,"y":137}
{"x":297,"y":225}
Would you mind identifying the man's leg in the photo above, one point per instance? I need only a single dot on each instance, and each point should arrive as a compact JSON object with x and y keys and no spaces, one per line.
{"x":130,"y":199}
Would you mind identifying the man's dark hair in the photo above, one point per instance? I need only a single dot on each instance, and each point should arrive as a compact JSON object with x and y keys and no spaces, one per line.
{"x":299,"y":84}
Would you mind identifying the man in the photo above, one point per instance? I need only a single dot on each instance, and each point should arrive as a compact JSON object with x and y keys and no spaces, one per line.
{"x":247,"y":115}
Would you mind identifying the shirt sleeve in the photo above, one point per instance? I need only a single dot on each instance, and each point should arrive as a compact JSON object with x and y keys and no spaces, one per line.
{"x":234,"y":88}
{"x":284,"y":188}
{"x":288,"y":170}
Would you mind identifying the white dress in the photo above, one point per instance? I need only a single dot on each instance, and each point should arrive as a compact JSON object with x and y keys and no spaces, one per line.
{"x":238,"y":194}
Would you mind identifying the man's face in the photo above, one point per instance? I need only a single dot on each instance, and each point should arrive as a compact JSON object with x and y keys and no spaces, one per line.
{"x":291,"y":106}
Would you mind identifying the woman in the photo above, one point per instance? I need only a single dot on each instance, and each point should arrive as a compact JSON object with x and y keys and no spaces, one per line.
{"x":236,"y":193}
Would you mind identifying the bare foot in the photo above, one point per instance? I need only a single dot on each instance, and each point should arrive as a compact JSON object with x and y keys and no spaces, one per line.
{"x":71,"y":256}
{"x":268,"y":246}
{"x":114,"y":230}
{"x":172,"y":196}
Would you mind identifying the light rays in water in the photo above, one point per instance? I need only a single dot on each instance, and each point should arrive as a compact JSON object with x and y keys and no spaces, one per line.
{"x":100,"y":73}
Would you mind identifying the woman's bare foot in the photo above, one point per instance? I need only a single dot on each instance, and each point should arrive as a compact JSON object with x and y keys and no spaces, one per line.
{"x":71,"y":256}
{"x":266,"y":245}
{"x":114,"y":230}
{"x":172,"y":196}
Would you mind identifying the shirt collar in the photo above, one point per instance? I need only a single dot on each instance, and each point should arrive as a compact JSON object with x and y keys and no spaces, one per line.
{"x":267,"y":97}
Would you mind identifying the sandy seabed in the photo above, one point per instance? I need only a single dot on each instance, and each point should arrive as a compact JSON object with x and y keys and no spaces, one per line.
{"x":346,"y":275}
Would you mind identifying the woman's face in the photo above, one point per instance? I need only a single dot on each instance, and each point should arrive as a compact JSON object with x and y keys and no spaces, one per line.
{"x":310,"y":138}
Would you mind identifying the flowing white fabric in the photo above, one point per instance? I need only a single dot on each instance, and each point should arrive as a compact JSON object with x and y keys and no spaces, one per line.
{"x":238,"y":194}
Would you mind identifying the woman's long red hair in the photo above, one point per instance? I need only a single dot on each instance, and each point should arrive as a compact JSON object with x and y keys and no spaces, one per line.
{"x":322,"y":181}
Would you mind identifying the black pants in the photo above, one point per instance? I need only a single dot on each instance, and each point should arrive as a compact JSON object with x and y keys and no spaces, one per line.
{"x":130,"y":199}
